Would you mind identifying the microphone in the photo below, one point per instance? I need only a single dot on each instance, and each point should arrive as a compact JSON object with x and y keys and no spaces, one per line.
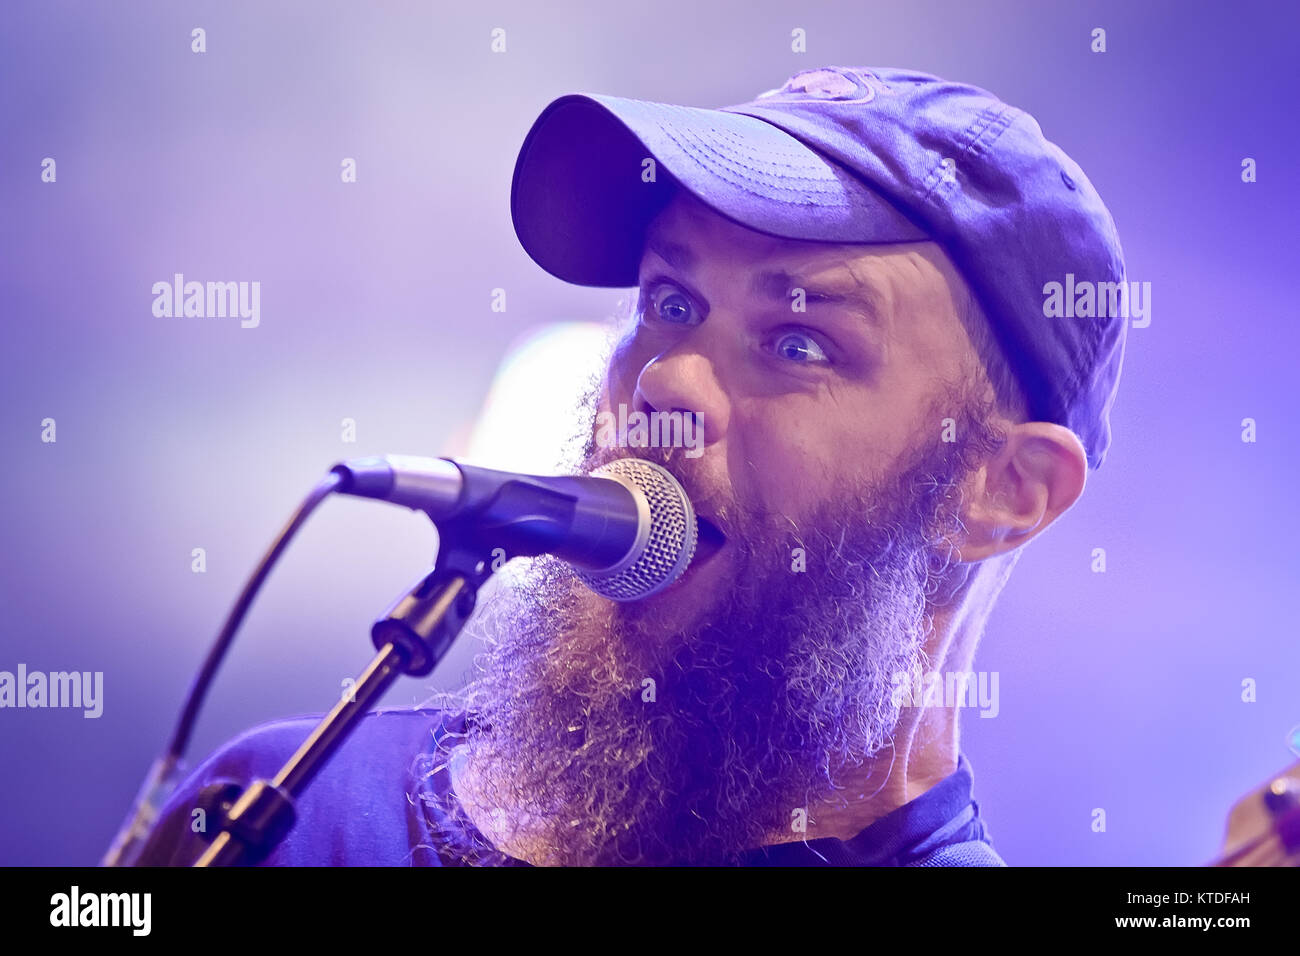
{"x":628,"y":529}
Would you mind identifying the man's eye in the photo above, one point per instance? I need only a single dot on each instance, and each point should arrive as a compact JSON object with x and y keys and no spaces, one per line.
{"x":669,"y":304}
{"x":799,"y":347}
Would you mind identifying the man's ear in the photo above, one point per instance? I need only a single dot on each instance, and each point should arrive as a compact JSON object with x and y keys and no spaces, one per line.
{"x":1035,"y":477}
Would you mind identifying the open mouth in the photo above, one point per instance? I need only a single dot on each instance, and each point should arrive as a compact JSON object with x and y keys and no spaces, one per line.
{"x":711,"y":540}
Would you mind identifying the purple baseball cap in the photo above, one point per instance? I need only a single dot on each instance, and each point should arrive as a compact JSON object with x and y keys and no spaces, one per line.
{"x":851,"y":155}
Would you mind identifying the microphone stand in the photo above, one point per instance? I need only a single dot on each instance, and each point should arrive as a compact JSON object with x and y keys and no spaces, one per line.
{"x":412,"y":637}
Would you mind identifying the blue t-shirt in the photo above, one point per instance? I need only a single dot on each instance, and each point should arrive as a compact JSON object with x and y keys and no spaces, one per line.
{"x":365,"y":807}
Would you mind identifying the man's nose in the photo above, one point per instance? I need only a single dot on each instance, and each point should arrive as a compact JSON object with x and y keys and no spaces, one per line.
{"x":684,"y":380}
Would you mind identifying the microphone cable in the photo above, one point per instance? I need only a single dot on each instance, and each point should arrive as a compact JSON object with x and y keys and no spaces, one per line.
{"x":164,"y":775}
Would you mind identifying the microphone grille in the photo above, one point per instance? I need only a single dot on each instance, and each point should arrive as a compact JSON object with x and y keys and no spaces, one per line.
{"x":673,"y":533}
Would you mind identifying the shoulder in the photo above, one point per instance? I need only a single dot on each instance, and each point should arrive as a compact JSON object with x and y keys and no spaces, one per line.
{"x":356,"y":810}
{"x":383,"y":742}
{"x":377,"y":737}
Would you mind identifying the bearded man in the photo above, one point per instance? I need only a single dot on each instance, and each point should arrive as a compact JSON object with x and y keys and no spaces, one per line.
{"x":841,"y":285}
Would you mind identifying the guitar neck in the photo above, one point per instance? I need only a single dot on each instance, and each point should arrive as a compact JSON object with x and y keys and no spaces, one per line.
{"x":1264,"y":826}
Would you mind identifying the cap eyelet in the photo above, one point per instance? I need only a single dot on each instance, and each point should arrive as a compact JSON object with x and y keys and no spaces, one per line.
{"x":1065,"y":178}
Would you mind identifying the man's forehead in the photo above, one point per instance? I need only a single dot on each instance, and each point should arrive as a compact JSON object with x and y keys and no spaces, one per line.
{"x":688,"y":222}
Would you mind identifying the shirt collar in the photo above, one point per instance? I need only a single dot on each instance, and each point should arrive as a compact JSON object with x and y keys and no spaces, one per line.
{"x":945,"y":811}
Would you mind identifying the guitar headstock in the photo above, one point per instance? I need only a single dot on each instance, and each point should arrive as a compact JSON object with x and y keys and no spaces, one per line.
{"x":1264,"y":825}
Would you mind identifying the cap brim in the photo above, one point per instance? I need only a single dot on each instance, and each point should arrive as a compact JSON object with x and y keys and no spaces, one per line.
{"x":583,"y":192}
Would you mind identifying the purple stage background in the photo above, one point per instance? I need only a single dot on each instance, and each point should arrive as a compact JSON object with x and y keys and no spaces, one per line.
{"x":1119,"y":690}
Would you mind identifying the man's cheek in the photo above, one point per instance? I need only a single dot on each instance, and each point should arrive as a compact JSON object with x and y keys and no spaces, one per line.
{"x":787,"y":473}
{"x":621,"y":380}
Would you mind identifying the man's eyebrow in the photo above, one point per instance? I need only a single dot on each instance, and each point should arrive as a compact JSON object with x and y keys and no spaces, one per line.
{"x":676,"y":254}
{"x":777,"y":285}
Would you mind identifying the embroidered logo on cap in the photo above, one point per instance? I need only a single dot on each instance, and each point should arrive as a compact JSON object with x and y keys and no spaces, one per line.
{"x":830,"y":83}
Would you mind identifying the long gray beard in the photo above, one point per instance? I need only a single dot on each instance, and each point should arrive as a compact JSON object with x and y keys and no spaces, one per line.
{"x":635,"y":746}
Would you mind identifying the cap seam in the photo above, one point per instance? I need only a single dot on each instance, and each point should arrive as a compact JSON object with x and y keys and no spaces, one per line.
{"x":994,"y":120}
{"x":729,"y":168}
